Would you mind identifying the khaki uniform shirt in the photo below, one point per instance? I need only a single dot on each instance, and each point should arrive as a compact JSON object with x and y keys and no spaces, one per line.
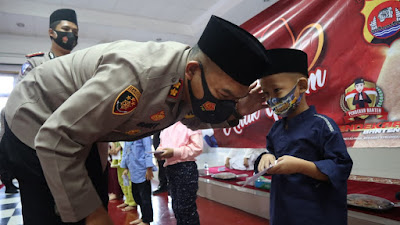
{"x":34,"y":60}
{"x":120,"y":91}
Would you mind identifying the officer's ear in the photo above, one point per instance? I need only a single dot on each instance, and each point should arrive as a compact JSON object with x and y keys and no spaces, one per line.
{"x":52,"y":33}
{"x":191,"y":68}
{"x":303,"y":84}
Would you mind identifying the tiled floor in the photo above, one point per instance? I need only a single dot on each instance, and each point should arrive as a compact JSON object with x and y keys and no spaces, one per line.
{"x":10,"y":208}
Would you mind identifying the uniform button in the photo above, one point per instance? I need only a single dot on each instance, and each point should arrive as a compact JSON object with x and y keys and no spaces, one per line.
{"x":173,"y":79}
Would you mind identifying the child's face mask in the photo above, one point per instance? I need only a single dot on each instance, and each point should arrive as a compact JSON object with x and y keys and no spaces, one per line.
{"x":285,"y":105}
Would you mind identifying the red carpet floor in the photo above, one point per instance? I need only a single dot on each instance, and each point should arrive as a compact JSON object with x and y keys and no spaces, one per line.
{"x":210,"y":213}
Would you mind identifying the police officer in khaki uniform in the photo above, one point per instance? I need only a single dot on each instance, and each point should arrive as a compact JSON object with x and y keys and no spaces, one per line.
{"x":121,"y":91}
{"x":63,"y":32}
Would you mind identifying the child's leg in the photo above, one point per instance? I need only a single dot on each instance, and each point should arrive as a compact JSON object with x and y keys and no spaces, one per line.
{"x":114,"y":189}
{"x":183,"y":180}
{"x":172,"y":187}
{"x":146,"y":206}
{"x":127,"y":190}
{"x":128,"y":195}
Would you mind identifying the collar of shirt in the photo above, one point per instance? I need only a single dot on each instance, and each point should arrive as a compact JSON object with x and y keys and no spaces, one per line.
{"x":301,"y":117}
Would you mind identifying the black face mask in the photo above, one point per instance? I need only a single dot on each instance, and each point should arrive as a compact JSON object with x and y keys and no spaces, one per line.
{"x":209,"y":109}
{"x":66,"y":40}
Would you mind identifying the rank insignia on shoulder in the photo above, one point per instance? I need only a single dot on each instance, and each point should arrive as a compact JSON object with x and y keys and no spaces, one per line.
{"x":175,"y":89}
{"x":34,"y":54}
{"x":189,"y":115}
{"x":126,"y":101}
{"x":158,"y":116}
{"x":132,"y":132}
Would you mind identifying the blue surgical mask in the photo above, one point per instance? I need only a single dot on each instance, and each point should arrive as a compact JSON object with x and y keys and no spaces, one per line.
{"x":210,"y":109}
{"x":285,"y":105}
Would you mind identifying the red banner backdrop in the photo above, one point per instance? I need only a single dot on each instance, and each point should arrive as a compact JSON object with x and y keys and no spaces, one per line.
{"x":346,"y":41}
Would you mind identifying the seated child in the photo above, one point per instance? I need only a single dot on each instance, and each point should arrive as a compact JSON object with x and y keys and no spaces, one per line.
{"x":309,"y":180}
{"x":240,"y":159}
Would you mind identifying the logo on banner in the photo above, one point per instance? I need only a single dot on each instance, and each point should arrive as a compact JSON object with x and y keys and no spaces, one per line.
{"x":382,"y":21}
{"x":362,"y":99}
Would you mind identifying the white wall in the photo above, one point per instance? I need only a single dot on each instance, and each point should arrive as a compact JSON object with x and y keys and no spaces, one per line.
{"x":376,"y":162}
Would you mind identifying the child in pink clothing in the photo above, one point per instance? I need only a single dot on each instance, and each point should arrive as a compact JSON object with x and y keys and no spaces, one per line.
{"x":181,"y":146}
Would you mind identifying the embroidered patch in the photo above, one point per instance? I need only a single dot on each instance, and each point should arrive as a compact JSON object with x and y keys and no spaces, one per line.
{"x":175,"y":89}
{"x":132,"y":132}
{"x":25,"y":66}
{"x":208,"y":106}
{"x":189,"y":115}
{"x":148,"y":125}
{"x":158,"y":116}
{"x":126,"y":101}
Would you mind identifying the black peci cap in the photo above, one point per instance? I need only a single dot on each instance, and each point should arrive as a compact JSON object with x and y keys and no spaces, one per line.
{"x":63,"y":14}
{"x":238,"y":53}
{"x":287,"y":60}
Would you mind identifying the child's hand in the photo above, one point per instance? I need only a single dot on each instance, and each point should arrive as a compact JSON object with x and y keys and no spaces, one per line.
{"x":149,"y":173}
{"x":246,"y":162}
{"x":227,"y":164}
{"x":287,"y":165}
{"x":266,"y":161}
{"x":168,"y":153}
{"x":125,"y":172}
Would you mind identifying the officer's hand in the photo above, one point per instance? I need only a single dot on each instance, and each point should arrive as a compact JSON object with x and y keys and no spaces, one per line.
{"x":168,"y":153}
{"x":99,"y":217}
{"x":265,"y":162}
{"x":254,"y":101}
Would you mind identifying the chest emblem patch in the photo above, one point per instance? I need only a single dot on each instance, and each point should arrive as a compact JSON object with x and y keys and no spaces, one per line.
{"x":132,"y":132}
{"x":126,"y":101}
{"x":158,"y":116}
{"x":175,"y":89}
{"x":189,"y":115}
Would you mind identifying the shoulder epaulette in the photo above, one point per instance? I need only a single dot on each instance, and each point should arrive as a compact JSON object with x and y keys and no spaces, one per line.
{"x":34,"y":54}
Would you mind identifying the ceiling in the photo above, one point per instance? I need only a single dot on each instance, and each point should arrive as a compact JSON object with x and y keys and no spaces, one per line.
{"x":24,"y":24}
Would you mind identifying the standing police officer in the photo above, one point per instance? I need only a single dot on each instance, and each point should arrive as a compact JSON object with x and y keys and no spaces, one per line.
{"x":63,"y":32}
{"x":120,"y":91}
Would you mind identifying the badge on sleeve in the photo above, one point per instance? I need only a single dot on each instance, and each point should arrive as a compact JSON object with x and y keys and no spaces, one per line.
{"x":24,"y":67}
{"x":126,"y":101}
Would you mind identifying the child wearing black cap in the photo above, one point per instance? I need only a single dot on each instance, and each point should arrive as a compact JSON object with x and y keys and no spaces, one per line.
{"x":309,"y":178}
